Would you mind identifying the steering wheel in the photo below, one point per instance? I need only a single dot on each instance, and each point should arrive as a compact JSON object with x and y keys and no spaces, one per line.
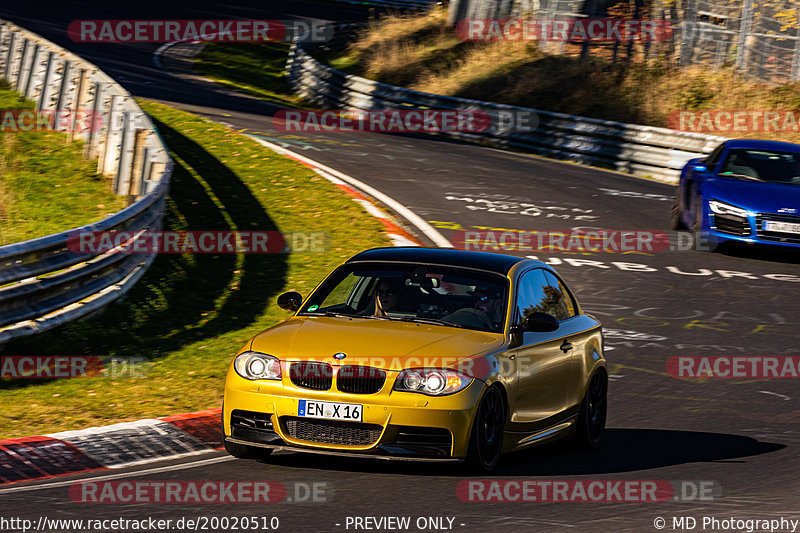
{"x":472,"y":318}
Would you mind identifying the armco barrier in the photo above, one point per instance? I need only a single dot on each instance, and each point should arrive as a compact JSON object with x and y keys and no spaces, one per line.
{"x":640,"y":150}
{"x":396,"y":4}
{"x":42,"y":283}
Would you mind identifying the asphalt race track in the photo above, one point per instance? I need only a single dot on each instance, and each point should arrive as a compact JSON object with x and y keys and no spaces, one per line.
{"x":741,"y":436}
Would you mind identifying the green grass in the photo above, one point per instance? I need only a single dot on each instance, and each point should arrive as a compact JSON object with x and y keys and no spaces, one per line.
{"x":257,"y":69}
{"x":46,"y":185}
{"x":190,"y":313}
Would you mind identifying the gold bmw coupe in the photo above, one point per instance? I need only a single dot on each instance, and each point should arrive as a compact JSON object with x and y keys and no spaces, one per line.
{"x":424,"y":354}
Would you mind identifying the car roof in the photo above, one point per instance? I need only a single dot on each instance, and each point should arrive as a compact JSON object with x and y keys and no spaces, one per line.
{"x":763,"y":145}
{"x":493,"y":262}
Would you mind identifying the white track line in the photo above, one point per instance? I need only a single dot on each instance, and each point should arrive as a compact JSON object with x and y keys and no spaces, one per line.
{"x":414,"y":219}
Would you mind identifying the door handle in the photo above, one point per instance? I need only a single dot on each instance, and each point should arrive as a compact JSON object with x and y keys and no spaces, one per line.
{"x":566,"y":346}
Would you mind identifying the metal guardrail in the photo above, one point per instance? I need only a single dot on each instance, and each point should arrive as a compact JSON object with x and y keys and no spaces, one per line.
{"x":397,"y":4}
{"x":640,"y":150}
{"x":43,"y":283}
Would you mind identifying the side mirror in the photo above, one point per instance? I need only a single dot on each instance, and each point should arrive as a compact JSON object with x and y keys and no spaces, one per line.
{"x":699,"y":167}
{"x":290,"y":301}
{"x":540,"y":322}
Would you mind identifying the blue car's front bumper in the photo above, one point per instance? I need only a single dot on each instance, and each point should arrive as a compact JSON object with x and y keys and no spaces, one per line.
{"x":728,"y":228}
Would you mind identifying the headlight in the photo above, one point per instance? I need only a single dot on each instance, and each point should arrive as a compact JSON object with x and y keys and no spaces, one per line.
{"x":431,"y":381}
{"x":722,"y":208}
{"x":255,"y":365}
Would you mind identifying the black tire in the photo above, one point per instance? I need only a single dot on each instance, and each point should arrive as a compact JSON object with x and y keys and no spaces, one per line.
{"x":594,"y":409}
{"x":701,"y":240}
{"x":486,"y":438}
{"x":697,"y":223}
{"x":675,"y":221}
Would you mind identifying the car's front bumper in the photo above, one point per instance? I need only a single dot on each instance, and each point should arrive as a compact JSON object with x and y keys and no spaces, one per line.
{"x":394,"y":423}
{"x":380,"y":454}
{"x":748,"y":231}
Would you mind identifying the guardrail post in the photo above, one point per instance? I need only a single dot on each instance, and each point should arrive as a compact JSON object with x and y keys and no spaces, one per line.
{"x":63,"y":86}
{"x":744,"y":31}
{"x":32,"y":70}
{"x":154,"y":175}
{"x":75,"y":105}
{"x":109,"y":144}
{"x":24,"y":68}
{"x":90,"y":148}
{"x":143,"y":171}
{"x":48,"y":78}
{"x":122,"y":185}
{"x":139,"y":165}
{"x":3,"y":33}
{"x":688,"y":30}
{"x":9,"y":56}
{"x":16,"y":60}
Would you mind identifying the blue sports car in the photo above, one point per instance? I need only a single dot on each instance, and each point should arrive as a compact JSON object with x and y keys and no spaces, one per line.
{"x":744,"y":191}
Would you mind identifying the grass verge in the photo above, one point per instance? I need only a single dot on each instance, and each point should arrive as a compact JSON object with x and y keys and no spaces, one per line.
{"x":46,"y":185}
{"x":252,"y":68}
{"x":190,"y":313}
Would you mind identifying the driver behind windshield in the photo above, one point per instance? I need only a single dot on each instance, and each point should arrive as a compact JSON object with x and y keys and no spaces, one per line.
{"x":486,"y":311}
{"x":387,"y":295}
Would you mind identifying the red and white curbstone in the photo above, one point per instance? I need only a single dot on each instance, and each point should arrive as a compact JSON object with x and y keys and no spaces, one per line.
{"x":108,"y":447}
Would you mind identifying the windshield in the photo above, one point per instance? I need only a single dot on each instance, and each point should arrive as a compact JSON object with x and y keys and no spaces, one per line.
{"x":444,"y":296}
{"x":762,"y":165}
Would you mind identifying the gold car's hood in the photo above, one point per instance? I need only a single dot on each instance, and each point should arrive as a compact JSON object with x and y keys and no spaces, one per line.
{"x":391,"y":345}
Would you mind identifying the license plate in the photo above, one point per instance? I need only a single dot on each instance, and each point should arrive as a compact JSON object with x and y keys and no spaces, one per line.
{"x":330,"y":410}
{"x":782,"y":227}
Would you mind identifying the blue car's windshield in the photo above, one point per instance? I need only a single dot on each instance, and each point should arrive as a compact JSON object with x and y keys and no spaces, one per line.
{"x":762,"y":165}
{"x":418,"y":293}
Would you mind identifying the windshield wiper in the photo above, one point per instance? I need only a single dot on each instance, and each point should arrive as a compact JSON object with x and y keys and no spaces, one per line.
{"x":437,"y":321}
{"x":328,"y":313}
{"x":345,"y":315}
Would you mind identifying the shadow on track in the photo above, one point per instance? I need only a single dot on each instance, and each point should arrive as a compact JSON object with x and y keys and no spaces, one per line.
{"x":624,"y":450}
{"x":762,"y":252}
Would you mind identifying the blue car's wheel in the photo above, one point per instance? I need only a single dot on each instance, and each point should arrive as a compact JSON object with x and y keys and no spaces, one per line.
{"x":676,"y":214}
{"x":697,"y":226}
{"x":697,"y":223}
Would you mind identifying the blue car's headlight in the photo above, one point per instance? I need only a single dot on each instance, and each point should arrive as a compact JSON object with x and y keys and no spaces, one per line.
{"x":255,"y":365}
{"x":721,"y":208}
